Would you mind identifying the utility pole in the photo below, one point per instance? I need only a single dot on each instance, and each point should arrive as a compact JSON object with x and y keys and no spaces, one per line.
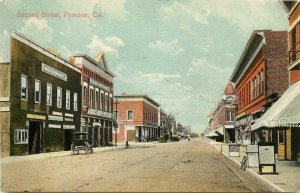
{"x":116,"y":119}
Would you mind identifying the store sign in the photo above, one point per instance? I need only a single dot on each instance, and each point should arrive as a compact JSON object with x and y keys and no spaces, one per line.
{"x":98,"y":113}
{"x":54,"y":72}
{"x":68,"y":126}
{"x":98,"y":84}
{"x":54,"y":126}
{"x":69,"y":115}
{"x":34,"y":116}
{"x":69,"y":119}
{"x":55,"y":118}
{"x":234,"y":150}
{"x":56,"y":113}
{"x":266,"y":155}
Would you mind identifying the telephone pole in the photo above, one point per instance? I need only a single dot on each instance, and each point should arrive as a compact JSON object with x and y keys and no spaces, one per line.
{"x":116,"y":122}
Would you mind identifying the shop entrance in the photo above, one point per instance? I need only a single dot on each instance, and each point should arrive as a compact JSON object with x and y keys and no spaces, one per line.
{"x":68,"y":136}
{"x":35,"y":139}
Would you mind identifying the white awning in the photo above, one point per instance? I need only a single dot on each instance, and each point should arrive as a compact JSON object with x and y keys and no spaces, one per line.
{"x":285,"y":112}
{"x":211,"y":134}
{"x":220,"y":130}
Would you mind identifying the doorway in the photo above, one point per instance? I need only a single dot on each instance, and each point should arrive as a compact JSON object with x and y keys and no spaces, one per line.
{"x":68,"y":136}
{"x":35,"y":133}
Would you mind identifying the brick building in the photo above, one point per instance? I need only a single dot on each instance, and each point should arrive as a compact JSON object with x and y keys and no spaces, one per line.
{"x":222,"y":118}
{"x":283,"y":118}
{"x":137,"y":118}
{"x":40,"y":100}
{"x":260,"y":76}
{"x":97,"y":98}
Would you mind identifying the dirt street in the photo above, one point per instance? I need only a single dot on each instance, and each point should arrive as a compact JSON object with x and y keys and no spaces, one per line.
{"x":184,"y":166}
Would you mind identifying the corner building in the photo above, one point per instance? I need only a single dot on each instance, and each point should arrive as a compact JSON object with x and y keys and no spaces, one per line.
{"x":97,"y":98}
{"x":42,"y":100}
{"x":137,"y":118}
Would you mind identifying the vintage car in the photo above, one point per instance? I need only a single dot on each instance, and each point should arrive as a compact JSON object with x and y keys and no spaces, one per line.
{"x":80,"y":142}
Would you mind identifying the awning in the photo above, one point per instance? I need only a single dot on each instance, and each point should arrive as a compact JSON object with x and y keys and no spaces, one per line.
{"x":285,"y":112}
{"x":211,"y":134}
{"x":220,"y":130}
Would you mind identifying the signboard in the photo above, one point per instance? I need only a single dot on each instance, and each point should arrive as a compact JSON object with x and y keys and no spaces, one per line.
{"x":54,"y":72}
{"x":55,"y":118}
{"x":68,"y":126}
{"x":98,"y":84}
{"x":234,"y":150}
{"x":95,"y":112}
{"x":252,"y":152}
{"x":54,"y":126}
{"x":266,"y":157}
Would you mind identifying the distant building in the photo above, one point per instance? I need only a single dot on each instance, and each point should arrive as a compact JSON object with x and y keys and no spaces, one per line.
{"x":40,"y":100}
{"x":222,"y":125}
{"x":97,"y":98}
{"x":137,"y":118}
{"x":260,"y":76}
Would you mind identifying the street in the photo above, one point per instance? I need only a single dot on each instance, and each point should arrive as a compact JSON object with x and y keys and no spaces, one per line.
{"x":185,"y":166}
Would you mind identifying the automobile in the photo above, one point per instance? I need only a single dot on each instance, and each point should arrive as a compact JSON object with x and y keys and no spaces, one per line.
{"x":80,"y":142}
{"x":175,"y":138}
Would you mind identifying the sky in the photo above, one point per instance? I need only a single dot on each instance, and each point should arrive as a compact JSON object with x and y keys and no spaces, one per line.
{"x":180,"y":53}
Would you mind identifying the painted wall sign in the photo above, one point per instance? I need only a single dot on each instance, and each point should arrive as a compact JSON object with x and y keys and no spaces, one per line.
{"x":56,"y":113}
{"x":99,"y":113}
{"x":69,"y":115}
{"x":98,"y":84}
{"x":54,"y":126}
{"x":33,"y":116}
{"x":55,"y":118}
{"x":69,"y":119}
{"x":234,"y":150}
{"x":54,"y":72}
{"x":68,"y":126}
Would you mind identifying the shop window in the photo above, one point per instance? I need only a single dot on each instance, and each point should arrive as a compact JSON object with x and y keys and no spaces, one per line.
{"x":21,"y":136}
{"x":75,"y":101}
{"x":24,"y":87}
{"x":68,"y":99}
{"x":49,"y":94}
{"x":281,"y":136}
{"x":59,"y":97}
{"x":37,"y":91}
{"x":130,"y":115}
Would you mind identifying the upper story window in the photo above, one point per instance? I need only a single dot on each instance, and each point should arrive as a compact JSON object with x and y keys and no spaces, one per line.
{"x":230,"y":116}
{"x":260,"y":82}
{"x":75,"y":101}
{"x":37,"y":91}
{"x":129,"y":115}
{"x":68,"y":99}
{"x":106,"y":102}
{"x":24,"y":87}
{"x":85,"y":95}
{"x":97,"y":99}
{"x":59,"y":97}
{"x":91,"y":97}
{"x":253,"y":88}
{"x":49,"y":94}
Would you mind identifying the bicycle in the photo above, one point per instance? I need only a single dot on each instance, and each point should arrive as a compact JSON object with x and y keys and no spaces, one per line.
{"x":244,"y":162}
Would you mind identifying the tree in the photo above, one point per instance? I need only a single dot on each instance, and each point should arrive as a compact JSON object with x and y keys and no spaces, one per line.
{"x":194,"y":135}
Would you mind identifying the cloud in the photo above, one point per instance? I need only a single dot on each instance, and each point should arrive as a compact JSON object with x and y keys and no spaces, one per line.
{"x":109,"y":45}
{"x":166,"y":47}
{"x":37,"y":29}
{"x":159,"y":76}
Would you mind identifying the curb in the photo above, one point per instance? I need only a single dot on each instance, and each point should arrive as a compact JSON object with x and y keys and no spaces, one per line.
{"x":266,"y":183}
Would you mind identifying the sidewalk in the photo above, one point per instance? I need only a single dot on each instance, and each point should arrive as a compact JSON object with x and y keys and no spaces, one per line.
{"x":120,"y":146}
{"x":286,"y":181}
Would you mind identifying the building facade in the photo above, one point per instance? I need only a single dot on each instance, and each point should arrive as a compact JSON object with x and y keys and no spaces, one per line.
{"x":260,"y":76}
{"x":222,"y":119}
{"x":137,"y":118}
{"x":97,"y":98}
{"x":44,"y":100}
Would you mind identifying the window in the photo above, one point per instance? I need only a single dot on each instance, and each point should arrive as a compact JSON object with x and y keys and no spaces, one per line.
{"x":129,"y":115}
{"x":101,"y":101}
{"x":91,"y":97}
{"x":84,"y":95}
{"x":281,"y":136}
{"x":229,"y":115}
{"x":59,"y":97}
{"x":21,"y":136}
{"x":116,"y":114}
{"x":106,"y":102}
{"x":253,"y":88}
{"x":68,"y":98}
{"x":97,"y":100}
{"x":75,"y":101}
{"x":37,"y":93}
{"x":49,"y":94}
{"x":262,"y":81}
{"x":24,"y":87}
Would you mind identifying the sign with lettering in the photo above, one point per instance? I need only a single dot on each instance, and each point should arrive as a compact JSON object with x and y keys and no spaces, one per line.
{"x":55,"y":118}
{"x":56,"y":113}
{"x":266,"y":155}
{"x":54,"y":72}
{"x":69,"y":119}
{"x":98,"y":113}
{"x":98,"y":84}
{"x":68,"y":126}
{"x":234,"y":150}
{"x":54,"y":126}
{"x":69,"y":115}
